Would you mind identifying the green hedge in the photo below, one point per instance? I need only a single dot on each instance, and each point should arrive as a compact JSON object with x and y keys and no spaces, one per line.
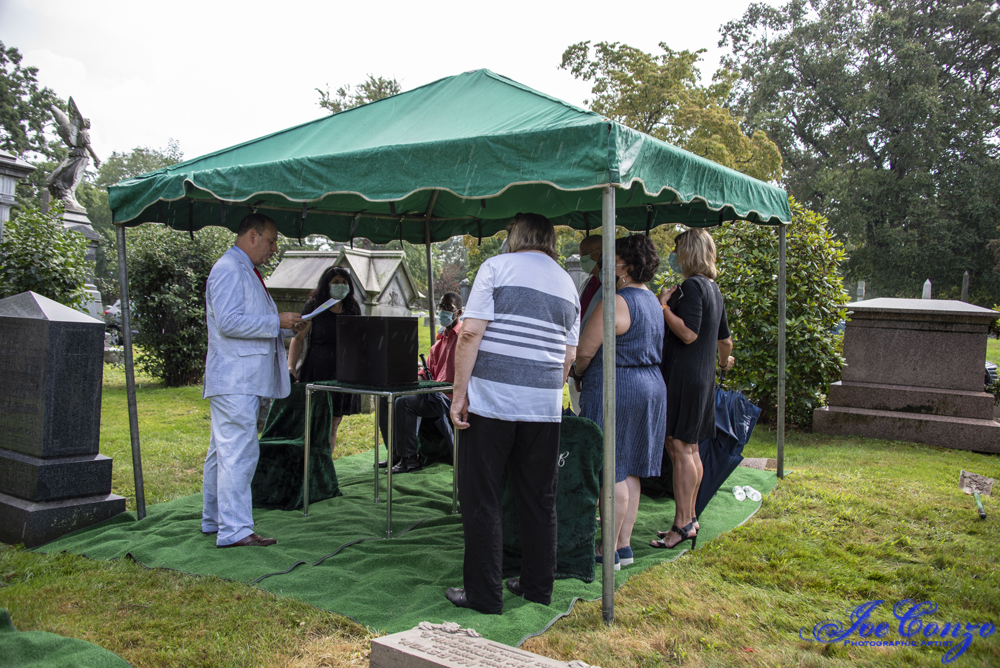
{"x":38,"y":254}
{"x":168,"y":271}
{"x":748,"y":278}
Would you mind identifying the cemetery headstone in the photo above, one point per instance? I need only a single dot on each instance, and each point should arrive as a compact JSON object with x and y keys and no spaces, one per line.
{"x":53,"y":479}
{"x":450,"y":646}
{"x":915,"y":372}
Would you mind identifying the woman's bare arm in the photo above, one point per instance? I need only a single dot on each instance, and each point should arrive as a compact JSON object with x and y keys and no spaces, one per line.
{"x":593,"y":334}
{"x":295,"y":348}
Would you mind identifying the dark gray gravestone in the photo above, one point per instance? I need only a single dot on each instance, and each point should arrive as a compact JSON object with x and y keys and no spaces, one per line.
{"x":52,"y":478}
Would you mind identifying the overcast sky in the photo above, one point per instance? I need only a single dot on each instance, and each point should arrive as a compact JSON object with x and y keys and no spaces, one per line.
{"x":215,"y":73}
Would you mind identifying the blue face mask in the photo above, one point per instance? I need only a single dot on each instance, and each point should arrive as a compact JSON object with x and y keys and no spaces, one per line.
{"x":446,"y":318}
{"x":675,"y":266}
{"x":339,"y":290}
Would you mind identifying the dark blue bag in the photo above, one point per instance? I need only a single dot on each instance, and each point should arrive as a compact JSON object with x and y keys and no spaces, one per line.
{"x":735,"y":418}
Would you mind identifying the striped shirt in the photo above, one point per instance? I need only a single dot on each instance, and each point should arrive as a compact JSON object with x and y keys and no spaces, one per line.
{"x":533,"y":311}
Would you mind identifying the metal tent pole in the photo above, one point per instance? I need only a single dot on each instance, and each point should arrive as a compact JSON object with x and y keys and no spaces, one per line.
{"x":608,"y":538}
{"x":781,"y":351}
{"x":430,"y":268}
{"x":133,"y":414}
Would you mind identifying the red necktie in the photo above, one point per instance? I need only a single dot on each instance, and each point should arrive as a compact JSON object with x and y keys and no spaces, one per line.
{"x":261,"y":280}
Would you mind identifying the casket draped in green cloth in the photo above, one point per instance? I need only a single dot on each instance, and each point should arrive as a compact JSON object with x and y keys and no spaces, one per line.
{"x":580,"y":459}
{"x":277,"y":483}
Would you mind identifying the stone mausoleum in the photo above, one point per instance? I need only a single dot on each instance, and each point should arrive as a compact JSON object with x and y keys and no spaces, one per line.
{"x":382,"y":284}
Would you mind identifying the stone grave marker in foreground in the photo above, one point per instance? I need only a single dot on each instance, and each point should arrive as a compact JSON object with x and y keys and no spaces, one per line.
{"x":914,"y":372}
{"x":52,"y":478}
{"x":450,"y":646}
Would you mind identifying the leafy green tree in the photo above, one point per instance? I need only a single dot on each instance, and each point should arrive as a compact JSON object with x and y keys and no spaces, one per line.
{"x":478,"y":252}
{"x":29,"y":190}
{"x":25,"y":107}
{"x":567,"y":243}
{"x":346,"y":97}
{"x":38,"y":254}
{"x":748,"y":265}
{"x":120,"y":165}
{"x":168,"y":271}
{"x":93,"y":194}
{"x":660,"y":95}
{"x":886,"y":114}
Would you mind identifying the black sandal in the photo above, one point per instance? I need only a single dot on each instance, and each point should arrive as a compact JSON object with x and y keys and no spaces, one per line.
{"x":682,"y":532}
{"x":664,"y":534}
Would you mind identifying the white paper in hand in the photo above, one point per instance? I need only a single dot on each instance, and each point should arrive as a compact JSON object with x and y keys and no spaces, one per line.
{"x":322,"y":307}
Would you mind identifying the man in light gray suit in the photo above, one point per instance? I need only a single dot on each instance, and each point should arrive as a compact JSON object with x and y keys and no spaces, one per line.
{"x":245,"y":362}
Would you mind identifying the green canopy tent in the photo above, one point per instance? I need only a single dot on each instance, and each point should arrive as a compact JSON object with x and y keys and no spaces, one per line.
{"x":460,"y":155}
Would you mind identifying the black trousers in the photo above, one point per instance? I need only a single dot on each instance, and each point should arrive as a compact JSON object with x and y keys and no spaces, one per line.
{"x":530,"y":453}
{"x":408,"y":413}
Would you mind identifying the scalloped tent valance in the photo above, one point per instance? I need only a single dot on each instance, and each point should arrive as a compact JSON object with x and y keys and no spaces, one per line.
{"x":477,"y":147}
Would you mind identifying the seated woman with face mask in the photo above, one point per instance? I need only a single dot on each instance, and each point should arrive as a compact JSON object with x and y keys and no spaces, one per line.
{"x":320,"y":361}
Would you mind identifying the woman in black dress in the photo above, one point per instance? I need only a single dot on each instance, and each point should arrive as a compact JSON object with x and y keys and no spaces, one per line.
{"x":320,"y":362}
{"x":697,"y":333}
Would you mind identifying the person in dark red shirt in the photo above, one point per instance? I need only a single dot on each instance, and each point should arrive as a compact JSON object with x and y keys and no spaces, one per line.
{"x":411,"y":409}
{"x":590,"y":297}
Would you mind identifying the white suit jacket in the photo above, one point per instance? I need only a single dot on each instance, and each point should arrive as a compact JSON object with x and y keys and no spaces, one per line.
{"x":245,"y":350}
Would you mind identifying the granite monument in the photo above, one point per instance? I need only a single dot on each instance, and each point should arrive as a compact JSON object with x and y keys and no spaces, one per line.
{"x":53,"y":479}
{"x":914,"y":372}
{"x":450,"y":646}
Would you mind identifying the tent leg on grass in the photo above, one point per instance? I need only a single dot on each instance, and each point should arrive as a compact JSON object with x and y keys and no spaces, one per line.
{"x":305,"y":453}
{"x":430,"y":267}
{"x":608,"y":539}
{"x":781,"y":350}
{"x":133,"y":414}
{"x":377,"y":407}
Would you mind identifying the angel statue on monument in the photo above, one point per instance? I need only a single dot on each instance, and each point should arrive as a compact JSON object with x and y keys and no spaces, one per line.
{"x":75,"y":131}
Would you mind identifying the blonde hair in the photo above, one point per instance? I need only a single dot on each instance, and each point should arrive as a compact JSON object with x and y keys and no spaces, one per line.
{"x":696,"y":253}
{"x":531,"y":231}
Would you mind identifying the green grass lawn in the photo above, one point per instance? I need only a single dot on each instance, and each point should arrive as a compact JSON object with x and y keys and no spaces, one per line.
{"x":993,"y":351}
{"x":855,"y":520}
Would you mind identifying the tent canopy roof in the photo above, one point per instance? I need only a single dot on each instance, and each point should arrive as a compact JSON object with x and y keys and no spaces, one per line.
{"x":486,"y":146}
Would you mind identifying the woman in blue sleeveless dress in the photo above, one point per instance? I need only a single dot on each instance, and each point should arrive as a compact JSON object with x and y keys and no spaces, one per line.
{"x":641,"y":396}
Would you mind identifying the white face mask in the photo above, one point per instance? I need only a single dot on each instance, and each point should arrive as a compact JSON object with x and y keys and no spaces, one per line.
{"x":339,"y":290}
{"x":587,"y":263}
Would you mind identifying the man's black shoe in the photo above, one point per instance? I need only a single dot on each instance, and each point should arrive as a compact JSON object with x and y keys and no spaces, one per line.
{"x":385,"y":463}
{"x":457,"y":597}
{"x":514,"y":585}
{"x":407,"y":465}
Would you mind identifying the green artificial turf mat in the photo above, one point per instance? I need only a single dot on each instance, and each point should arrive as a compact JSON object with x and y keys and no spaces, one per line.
{"x":339,"y":560}
{"x":40,"y":649}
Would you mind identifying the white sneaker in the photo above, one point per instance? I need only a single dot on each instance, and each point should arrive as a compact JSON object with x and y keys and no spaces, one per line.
{"x":751,"y":493}
{"x":739,"y":493}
